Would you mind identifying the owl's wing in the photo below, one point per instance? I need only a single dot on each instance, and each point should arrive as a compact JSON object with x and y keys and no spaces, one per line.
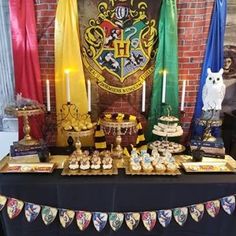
{"x":222,"y":92}
{"x":204,"y":92}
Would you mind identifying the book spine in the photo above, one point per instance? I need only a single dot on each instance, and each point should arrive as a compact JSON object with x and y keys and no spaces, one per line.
{"x":210,"y":150}
{"x":207,"y":144}
{"x":25,"y":148}
{"x":23,"y":153}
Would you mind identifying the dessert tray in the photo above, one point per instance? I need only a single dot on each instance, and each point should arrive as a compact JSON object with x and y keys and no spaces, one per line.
{"x":129,"y":171}
{"x":27,"y":168}
{"x":68,"y":171}
{"x":154,"y":164}
{"x":208,"y":167}
{"x":98,"y":163}
{"x":172,"y":147}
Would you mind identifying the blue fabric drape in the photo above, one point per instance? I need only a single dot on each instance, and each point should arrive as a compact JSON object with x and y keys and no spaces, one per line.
{"x":214,"y":55}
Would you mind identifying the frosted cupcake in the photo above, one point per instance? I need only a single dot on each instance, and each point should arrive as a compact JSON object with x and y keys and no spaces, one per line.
{"x":171,"y":167}
{"x":85,"y":163}
{"x":160,"y":167}
{"x":95,"y":162}
{"x":74,"y":164}
{"x":107,"y":162}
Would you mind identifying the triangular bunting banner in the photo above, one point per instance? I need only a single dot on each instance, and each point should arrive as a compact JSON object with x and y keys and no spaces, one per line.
{"x":164,"y":217}
{"x":228,"y":204}
{"x":132,"y":219}
{"x":116,"y":220}
{"x":48,"y":214}
{"x":83,"y":219}
{"x":66,"y":217}
{"x":213,"y":207}
{"x":3,"y":201}
{"x":197,"y":211}
{"x":31,"y":211}
{"x":14,"y":207}
{"x":180,"y":215}
{"x":100,"y":220}
{"x":149,"y":219}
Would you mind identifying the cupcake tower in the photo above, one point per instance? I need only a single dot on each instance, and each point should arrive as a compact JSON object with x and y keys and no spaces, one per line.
{"x":167,"y":127}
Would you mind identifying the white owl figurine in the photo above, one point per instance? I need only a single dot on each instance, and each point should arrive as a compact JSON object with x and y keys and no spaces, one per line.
{"x":213,"y":91}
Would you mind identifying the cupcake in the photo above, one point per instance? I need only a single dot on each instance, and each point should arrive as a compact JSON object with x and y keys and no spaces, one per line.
{"x":95,"y":162}
{"x":85,"y":163}
{"x":147,"y":167}
{"x":160,"y":167}
{"x":135,"y":167}
{"x":107,"y":162}
{"x":73,"y":165}
{"x":171,"y":167}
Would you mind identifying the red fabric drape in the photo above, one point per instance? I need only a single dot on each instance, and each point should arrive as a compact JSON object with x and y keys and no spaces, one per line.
{"x":25,"y":57}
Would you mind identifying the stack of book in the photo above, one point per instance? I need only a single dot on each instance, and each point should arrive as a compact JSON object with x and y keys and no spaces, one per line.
{"x":211,"y":149}
{"x":20,"y":152}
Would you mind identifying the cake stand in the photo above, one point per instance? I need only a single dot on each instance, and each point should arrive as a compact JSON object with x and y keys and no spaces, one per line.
{"x":165,"y":131}
{"x":25,"y":112}
{"x":114,"y":127}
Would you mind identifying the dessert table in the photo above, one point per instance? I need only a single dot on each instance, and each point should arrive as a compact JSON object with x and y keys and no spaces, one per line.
{"x":118,"y":193}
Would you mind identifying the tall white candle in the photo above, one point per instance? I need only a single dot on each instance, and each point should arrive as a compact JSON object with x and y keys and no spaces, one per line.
{"x":143,"y":96}
{"x":183,"y":95}
{"x":163,"y":100}
{"x":67,"y":73}
{"x":89,"y":94}
{"x":48,"y":95}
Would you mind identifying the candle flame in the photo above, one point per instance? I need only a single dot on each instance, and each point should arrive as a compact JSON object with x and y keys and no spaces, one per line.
{"x":67,"y":71}
{"x":163,"y":71}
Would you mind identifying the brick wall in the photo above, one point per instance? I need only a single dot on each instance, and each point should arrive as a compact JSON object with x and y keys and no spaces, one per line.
{"x":194,"y":18}
{"x":193,"y":24}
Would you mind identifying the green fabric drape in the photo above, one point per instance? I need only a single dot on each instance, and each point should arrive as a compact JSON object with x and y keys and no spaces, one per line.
{"x":167,"y":59}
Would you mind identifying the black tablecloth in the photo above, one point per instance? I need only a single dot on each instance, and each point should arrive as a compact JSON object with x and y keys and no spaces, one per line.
{"x":118,"y":193}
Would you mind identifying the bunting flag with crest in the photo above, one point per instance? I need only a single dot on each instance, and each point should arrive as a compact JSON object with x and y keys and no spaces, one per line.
{"x":119,"y":42}
{"x":115,"y":220}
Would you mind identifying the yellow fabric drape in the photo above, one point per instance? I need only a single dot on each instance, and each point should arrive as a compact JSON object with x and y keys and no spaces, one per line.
{"x":68,"y":57}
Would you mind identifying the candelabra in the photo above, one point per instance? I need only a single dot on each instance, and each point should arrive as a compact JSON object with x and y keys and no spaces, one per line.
{"x":74,"y":125}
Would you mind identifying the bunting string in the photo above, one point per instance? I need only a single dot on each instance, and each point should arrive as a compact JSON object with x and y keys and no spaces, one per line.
{"x":132,"y":219}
